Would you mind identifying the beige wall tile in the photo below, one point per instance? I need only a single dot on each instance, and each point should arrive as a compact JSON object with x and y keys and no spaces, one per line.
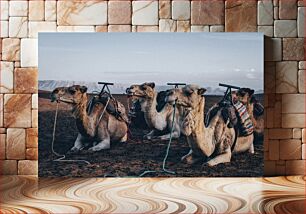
{"x":297,"y":133}
{"x":17,"y":110}
{"x":293,"y":103}
{"x":167,"y":25}
{"x":34,"y":101}
{"x":18,"y":8}
{"x":119,"y":28}
{"x":301,"y":22}
{"x":280,"y":133}
{"x":36,"y":10}
{"x":25,"y":80}
{"x":290,"y":149}
{"x":295,"y":167}
{"x":239,"y":16}
{"x":11,"y":49}
{"x":265,"y":12}
{"x":287,"y":9}
{"x":180,"y":10}
{"x":145,"y":13}
{"x":50,"y":10}
{"x":119,"y":12}
{"x":293,"y":120}
{"x":32,"y":154}
{"x":2,"y":146}
{"x":27,"y":167}
{"x":183,"y":26}
{"x":38,"y":26}
{"x":147,"y":28}
{"x":285,"y":28}
{"x":32,"y":138}
{"x":301,"y":81}
{"x":199,"y":28}
{"x":207,"y":12}
{"x":293,"y":49}
{"x":83,"y":13}
{"x":18,"y":27}
{"x":286,"y":77}
{"x":7,"y":75}
{"x":4,"y":9}
{"x":76,"y":28}
{"x":8,"y":167}
{"x":15,"y":144}
{"x":164,"y":9}
{"x":29,"y":53}
{"x":4,"y":29}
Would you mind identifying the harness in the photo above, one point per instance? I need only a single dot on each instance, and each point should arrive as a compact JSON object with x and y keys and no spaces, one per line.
{"x":111,"y":105}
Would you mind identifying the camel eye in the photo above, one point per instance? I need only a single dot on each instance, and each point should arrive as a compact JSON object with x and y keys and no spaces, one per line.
{"x":72,"y":91}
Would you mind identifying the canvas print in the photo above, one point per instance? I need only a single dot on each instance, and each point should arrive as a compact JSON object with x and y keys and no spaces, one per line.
{"x":151,"y":105}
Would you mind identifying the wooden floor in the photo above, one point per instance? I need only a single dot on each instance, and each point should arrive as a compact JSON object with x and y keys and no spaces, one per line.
{"x":167,"y":195}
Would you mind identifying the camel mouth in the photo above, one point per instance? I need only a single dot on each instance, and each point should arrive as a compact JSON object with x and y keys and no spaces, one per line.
{"x":134,"y":95}
{"x":64,"y":100}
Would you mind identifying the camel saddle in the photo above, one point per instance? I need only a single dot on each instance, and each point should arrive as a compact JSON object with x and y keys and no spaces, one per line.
{"x":237,"y":115}
{"x":113,"y":107}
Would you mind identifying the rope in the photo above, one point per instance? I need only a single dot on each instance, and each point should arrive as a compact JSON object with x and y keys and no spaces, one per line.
{"x":100,"y":118}
{"x":164,"y":170}
{"x":62,"y":158}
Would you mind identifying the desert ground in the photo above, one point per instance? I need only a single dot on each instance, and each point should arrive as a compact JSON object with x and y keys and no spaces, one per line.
{"x":132,"y":157}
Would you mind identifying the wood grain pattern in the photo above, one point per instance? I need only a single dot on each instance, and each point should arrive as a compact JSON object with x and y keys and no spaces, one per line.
{"x":152,"y":195}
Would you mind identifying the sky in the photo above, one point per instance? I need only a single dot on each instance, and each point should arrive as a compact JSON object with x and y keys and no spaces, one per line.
{"x":206,"y":59}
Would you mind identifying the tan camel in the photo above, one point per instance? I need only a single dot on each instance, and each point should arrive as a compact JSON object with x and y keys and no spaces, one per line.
{"x":216,"y":140}
{"x":147,"y":96}
{"x":246,"y":96}
{"x":91,"y":130}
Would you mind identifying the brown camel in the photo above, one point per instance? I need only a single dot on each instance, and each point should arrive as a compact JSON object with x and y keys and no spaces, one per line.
{"x":147,"y":96}
{"x":91,"y":129}
{"x":217,"y":140}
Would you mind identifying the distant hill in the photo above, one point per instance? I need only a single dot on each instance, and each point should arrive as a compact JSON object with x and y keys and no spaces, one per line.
{"x":117,"y":88}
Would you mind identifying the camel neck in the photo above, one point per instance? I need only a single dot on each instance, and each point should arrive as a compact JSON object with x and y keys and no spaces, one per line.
{"x":204,"y":136}
{"x":154,"y":119}
{"x":81,"y":116}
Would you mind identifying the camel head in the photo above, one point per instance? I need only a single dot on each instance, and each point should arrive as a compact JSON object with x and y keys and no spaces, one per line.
{"x":189,"y":96}
{"x":244,"y":95}
{"x":72,"y":95}
{"x":141,"y":92}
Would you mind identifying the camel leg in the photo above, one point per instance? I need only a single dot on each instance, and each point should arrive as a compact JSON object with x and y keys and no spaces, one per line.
{"x":79,"y":144}
{"x":222,"y":158}
{"x":251,"y":149}
{"x":189,"y":158}
{"x":150,"y":135}
{"x":104,"y":144}
{"x":175,"y":134}
{"x":124,"y":139}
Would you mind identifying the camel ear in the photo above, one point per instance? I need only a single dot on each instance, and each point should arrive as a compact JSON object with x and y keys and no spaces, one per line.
{"x":201,"y":91}
{"x":83,"y":89}
{"x":251,"y":92}
{"x":151,"y":84}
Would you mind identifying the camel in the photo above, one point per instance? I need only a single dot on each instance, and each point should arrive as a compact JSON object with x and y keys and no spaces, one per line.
{"x":91,"y":129}
{"x":156,"y":120}
{"x":217,"y":141}
{"x":246,"y":96}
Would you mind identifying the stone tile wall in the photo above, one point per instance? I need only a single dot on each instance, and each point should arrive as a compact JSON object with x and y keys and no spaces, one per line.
{"x":282,"y":21}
